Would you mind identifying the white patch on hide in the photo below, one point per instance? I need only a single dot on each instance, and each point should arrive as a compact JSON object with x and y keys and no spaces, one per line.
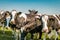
{"x":23,"y":15}
{"x":58,"y":31}
{"x":13,"y":15}
{"x":37,"y":17}
{"x":22,"y":29}
{"x":44,"y":19}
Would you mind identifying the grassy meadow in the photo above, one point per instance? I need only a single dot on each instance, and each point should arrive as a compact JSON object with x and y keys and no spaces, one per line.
{"x":9,"y":34}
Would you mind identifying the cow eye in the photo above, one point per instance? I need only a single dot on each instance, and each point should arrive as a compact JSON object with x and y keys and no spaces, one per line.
{"x":51,"y":19}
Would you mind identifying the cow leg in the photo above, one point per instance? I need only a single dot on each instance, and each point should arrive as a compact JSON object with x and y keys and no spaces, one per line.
{"x":23,"y":34}
{"x":56,"y":35}
{"x":40,"y":33}
{"x":31,"y":36}
{"x":45,"y":36}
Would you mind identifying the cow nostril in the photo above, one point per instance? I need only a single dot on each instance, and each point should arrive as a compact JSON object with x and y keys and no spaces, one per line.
{"x":45,"y":30}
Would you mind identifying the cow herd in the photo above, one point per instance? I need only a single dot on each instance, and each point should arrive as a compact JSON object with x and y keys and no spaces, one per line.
{"x":31,"y":22}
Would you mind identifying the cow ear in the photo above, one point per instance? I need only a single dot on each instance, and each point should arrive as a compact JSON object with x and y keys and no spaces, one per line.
{"x":20,"y":12}
{"x":36,"y":12}
{"x":29,"y":10}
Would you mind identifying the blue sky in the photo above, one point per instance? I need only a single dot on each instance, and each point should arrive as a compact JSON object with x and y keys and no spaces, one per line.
{"x":43,"y":6}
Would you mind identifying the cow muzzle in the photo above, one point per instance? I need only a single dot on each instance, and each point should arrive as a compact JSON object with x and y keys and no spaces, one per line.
{"x":12,"y":22}
{"x":45,"y":30}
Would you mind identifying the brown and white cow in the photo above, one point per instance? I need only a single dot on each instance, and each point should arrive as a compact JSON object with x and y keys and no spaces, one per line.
{"x":12,"y":22}
{"x":2,"y":17}
{"x":57,"y":23}
{"x":1,"y":12}
{"x":31,"y":23}
{"x":13,"y":13}
{"x":20,"y":19}
{"x":51,"y":22}
{"x":5,"y":18}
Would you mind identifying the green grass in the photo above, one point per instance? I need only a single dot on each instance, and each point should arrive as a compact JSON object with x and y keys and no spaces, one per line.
{"x":6,"y":34}
{"x":6,"y":37}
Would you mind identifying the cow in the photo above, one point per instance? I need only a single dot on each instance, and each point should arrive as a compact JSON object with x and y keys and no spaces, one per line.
{"x":51,"y":22}
{"x":57,"y":23}
{"x":29,"y":23}
{"x":58,"y":16}
{"x":12,"y":22}
{"x":13,"y":16}
{"x":1,"y":18}
{"x":20,"y":19}
{"x":7,"y":17}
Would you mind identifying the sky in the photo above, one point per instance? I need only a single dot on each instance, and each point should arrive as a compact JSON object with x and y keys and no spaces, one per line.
{"x":42,"y":6}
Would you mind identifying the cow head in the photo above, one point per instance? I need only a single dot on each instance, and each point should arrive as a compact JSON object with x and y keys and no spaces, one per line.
{"x":44,"y":20}
{"x":52,"y":23}
{"x":2,"y":13}
{"x":32,"y":12}
{"x":7,"y":14}
{"x":13,"y":16}
{"x":20,"y":19}
{"x":7,"y":17}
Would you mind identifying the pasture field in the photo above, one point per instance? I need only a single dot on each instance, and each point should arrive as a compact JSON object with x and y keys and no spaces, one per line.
{"x":7,"y":34}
